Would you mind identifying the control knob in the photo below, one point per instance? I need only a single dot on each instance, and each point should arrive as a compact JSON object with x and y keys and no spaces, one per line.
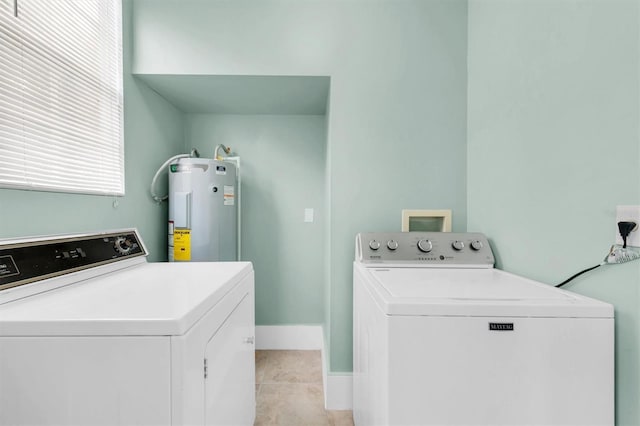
{"x":425,"y":246}
{"x":392,"y":244}
{"x":476,"y":245}
{"x":374,"y":245}
{"x":457,"y":245}
{"x":123,"y":245}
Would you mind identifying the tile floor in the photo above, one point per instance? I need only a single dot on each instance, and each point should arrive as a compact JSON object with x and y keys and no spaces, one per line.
{"x":289,"y":391}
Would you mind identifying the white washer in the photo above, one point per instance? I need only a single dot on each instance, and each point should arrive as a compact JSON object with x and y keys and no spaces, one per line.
{"x":92,"y":334}
{"x":443,"y":338}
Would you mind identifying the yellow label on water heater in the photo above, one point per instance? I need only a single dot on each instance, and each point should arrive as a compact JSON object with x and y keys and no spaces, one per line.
{"x":182,"y":244}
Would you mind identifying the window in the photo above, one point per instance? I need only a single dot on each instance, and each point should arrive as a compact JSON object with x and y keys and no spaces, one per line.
{"x":61,"y":102}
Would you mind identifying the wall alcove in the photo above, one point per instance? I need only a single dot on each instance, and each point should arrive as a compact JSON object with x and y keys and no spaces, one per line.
{"x":277,"y":125}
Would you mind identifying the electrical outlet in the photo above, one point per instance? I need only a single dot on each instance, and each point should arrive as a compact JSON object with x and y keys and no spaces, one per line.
{"x":628,"y":214}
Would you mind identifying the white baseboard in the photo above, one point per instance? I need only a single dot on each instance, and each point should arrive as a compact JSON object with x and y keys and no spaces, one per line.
{"x":338,"y":391}
{"x":338,"y":387}
{"x":291,"y":337}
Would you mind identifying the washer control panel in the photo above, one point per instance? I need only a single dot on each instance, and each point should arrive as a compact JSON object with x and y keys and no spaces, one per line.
{"x":424,"y":248}
{"x":23,"y":262}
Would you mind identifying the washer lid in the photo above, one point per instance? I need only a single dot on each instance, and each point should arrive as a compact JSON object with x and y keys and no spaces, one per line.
{"x":476,"y":292}
{"x":147,"y":299}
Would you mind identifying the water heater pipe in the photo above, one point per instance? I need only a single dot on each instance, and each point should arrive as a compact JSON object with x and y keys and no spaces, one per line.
{"x":224,"y":149}
{"x":152,"y":189}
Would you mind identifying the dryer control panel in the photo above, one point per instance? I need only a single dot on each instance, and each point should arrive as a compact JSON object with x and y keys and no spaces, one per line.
{"x":26,"y":261}
{"x":435,"y":249}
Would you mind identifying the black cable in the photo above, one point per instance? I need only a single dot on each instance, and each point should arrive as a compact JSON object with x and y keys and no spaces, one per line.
{"x":578,"y":274}
{"x":625,"y":229}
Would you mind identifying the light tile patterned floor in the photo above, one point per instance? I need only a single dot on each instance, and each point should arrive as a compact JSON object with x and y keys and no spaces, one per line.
{"x":289,"y":391}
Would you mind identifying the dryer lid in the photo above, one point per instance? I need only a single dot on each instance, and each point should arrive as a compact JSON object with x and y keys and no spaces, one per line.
{"x":476,"y":292}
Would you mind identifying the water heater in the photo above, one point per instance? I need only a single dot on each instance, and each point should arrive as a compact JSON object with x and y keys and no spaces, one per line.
{"x":202,"y":210}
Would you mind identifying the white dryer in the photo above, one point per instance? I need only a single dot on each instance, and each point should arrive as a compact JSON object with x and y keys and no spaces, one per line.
{"x":92,"y":334}
{"x":443,"y":338}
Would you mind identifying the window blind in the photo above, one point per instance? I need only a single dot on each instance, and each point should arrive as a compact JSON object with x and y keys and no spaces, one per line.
{"x":61,"y":102}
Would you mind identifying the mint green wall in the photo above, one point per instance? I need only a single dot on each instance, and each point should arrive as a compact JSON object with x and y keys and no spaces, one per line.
{"x":326,"y":325}
{"x":153,"y":131}
{"x":283,"y":172}
{"x":397,"y":116}
{"x":553,"y":147}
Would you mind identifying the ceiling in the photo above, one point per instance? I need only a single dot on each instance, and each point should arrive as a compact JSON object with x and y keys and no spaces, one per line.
{"x":239,"y":94}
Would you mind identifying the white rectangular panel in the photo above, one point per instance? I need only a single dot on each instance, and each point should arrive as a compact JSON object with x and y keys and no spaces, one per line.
{"x":85,"y":381}
{"x":230,"y":385}
{"x":456,"y":371}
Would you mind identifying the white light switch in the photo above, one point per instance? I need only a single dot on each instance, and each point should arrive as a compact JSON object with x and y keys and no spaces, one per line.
{"x":628,"y":214}
{"x":308,"y":215}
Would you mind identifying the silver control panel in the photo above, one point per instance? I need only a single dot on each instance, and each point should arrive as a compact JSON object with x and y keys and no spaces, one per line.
{"x":424,"y":248}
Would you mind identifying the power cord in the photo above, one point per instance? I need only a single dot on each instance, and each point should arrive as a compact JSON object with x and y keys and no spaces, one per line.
{"x":580,"y":273}
{"x":625,"y":229}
